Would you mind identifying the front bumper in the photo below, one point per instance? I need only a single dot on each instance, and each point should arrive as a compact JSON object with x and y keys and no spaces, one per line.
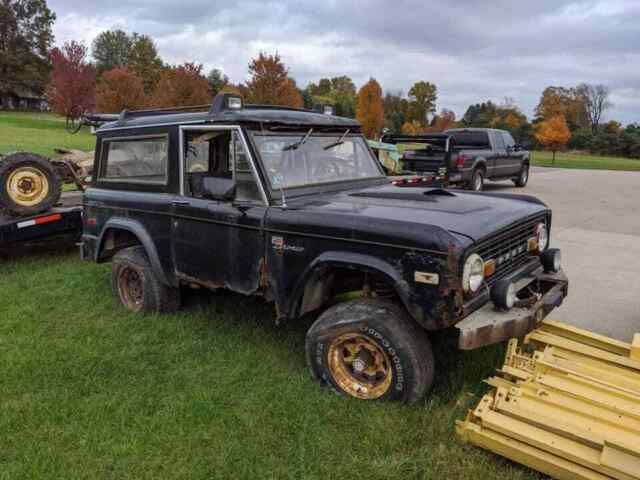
{"x":539,"y":293}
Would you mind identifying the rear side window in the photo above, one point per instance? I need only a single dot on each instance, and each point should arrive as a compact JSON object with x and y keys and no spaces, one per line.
{"x":470,"y":138}
{"x":508,"y":139}
{"x":140,"y":160}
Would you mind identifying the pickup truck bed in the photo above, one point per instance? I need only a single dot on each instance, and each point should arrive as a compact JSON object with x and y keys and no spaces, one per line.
{"x":64,"y":219}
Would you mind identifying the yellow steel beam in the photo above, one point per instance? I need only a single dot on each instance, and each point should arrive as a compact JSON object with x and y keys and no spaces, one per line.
{"x":553,"y":443}
{"x":585,"y":337}
{"x":520,"y":452}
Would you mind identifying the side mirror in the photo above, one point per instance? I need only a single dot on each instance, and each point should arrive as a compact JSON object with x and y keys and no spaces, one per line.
{"x":218,"y":188}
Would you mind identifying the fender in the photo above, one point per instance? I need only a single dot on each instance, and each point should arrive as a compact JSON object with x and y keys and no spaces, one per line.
{"x":136,"y":228}
{"x":356,"y":261}
{"x":479,"y":162}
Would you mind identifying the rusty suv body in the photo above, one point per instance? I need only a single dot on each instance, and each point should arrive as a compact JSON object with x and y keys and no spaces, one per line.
{"x":292,"y":205}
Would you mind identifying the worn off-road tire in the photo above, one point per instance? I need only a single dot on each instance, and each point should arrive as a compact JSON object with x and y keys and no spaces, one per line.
{"x":137,"y":287}
{"x":523,"y":177}
{"x":29,"y":184}
{"x":388,"y":337}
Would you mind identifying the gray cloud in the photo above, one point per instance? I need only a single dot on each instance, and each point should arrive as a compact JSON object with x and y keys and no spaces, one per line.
{"x":473,"y":50}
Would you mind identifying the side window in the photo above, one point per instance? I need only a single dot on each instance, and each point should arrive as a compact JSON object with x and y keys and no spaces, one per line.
{"x":135,"y":160}
{"x":508,"y":139}
{"x":499,"y":142}
{"x":217,"y":154}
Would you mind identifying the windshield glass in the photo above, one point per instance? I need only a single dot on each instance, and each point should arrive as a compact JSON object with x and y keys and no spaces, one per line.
{"x":302,"y":159}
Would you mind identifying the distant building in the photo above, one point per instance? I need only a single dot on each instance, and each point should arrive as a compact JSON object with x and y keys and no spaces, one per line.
{"x":23,"y":99}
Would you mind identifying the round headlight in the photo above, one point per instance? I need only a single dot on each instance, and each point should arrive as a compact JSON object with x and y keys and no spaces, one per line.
{"x":542,"y":235}
{"x":473,"y":273}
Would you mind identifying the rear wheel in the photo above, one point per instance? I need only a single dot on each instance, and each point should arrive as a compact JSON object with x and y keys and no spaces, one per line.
{"x":370,"y":349}
{"x":523,"y":177}
{"x":477,"y":180}
{"x":137,"y":287}
{"x":29,"y":184}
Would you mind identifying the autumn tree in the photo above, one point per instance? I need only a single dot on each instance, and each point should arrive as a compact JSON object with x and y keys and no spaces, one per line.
{"x":370,"y":109}
{"x":120,"y":89}
{"x":217,"y":81}
{"x":270,"y":83}
{"x":413,"y":127}
{"x":110,"y":49}
{"x":553,"y":133}
{"x":422,"y":101}
{"x":183,"y":85}
{"x":340,"y":92}
{"x":568,"y":102}
{"x":596,"y":101}
{"x":396,"y":109}
{"x":72,"y":89}
{"x":445,"y":120}
{"x":144,"y":61}
{"x":25,"y":39}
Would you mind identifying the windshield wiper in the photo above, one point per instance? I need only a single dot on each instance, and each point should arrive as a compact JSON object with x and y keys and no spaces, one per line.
{"x":339,"y":142}
{"x":295,"y":146}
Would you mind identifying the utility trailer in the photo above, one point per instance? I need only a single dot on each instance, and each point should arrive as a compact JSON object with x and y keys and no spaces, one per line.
{"x":64,"y":219}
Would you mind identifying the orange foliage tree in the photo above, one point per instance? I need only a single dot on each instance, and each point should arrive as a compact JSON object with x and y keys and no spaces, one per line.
{"x":553,"y":134}
{"x":181,"y":86}
{"x":270,"y":83}
{"x":120,"y":89}
{"x":370,"y":109}
{"x":72,"y":89}
{"x":413,"y":128}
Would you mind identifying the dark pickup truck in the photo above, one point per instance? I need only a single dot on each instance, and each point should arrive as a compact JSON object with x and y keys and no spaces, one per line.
{"x":465,"y":156}
{"x":293,"y":206}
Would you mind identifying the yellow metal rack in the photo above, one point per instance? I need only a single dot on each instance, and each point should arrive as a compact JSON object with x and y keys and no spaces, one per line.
{"x":565,"y":403}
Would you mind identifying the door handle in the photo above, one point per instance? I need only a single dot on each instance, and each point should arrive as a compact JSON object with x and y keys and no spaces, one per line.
{"x":180,"y":203}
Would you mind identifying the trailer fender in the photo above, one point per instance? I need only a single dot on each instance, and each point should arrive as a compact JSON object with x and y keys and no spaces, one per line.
{"x":134,"y":227}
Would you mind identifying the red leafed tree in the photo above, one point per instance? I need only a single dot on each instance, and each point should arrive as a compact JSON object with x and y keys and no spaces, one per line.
{"x":181,"y":86}
{"x":120,"y":89}
{"x":72,"y":88}
{"x":370,"y":109}
{"x":270,"y":83}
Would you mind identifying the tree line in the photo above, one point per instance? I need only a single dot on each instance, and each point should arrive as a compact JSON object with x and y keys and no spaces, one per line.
{"x":124,"y":70}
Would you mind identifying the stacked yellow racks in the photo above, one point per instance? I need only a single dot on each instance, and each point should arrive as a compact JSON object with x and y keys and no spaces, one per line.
{"x":566,"y":403}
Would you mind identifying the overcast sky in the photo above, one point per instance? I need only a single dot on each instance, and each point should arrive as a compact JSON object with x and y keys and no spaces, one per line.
{"x":472,"y":50}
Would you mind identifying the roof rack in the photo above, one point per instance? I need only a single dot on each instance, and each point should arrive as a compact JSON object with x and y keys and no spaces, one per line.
{"x":129,"y":114}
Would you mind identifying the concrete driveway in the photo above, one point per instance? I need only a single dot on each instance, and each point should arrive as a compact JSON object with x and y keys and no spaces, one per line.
{"x":596,"y":223}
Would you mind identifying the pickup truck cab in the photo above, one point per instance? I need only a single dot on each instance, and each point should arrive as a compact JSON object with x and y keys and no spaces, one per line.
{"x":293,"y":206}
{"x":468,"y":156}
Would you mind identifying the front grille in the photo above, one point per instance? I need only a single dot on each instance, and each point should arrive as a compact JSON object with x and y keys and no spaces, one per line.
{"x":509,"y":248}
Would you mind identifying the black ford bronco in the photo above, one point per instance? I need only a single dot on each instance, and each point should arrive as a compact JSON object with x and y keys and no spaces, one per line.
{"x":293,"y":206}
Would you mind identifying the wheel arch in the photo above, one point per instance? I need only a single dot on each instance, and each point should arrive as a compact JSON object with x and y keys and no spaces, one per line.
{"x":135,"y":233}
{"x":312,"y":290}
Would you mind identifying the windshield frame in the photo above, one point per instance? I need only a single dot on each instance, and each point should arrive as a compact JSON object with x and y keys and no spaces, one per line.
{"x":307,"y":188}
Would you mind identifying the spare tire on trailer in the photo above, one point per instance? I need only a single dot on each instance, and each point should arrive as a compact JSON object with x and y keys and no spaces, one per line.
{"x":29,"y":184}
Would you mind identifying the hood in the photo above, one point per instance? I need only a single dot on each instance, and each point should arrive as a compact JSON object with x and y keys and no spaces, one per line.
{"x":397,"y":213}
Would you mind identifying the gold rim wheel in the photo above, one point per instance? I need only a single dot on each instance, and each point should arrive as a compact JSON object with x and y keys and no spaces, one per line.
{"x":130,"y":288}
{"x":360,"y":366}
{"x":27,"y":186}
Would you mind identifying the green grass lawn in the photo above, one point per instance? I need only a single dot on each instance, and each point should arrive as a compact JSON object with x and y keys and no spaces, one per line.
{"x":570,"y":160}
{"x":39,"y":133}
{"x":88,"y":390}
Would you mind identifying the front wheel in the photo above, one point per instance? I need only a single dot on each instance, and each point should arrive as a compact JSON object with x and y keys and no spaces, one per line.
{"x":370,"y":349}
{"x":523,"y":177}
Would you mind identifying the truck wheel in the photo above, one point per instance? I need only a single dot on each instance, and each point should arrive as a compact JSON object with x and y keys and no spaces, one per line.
{"x":523,"y":177}
{"x":29,"y":184}
{"x":371,"y":350}
{"x":137,"y":287}
{"x":477,"y":180}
